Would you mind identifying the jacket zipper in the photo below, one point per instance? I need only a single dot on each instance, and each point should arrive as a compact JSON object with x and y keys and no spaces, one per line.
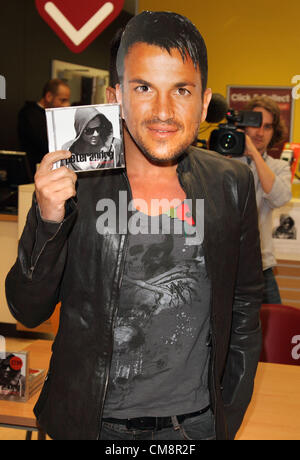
{"x":31,"y":270}
{"x":212,"y":316}
{"x":124,"y":247}
{"x":125,"y":244}
{"x":212,"y":331}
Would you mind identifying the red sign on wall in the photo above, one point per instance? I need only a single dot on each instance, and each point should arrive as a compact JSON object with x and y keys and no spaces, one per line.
{"x":78,"y":22}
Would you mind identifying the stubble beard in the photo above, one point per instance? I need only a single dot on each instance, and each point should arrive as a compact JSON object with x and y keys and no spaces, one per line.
{"x":171,"y":157}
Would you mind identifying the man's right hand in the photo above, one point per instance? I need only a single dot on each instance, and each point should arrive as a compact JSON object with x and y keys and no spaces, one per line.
{"x":250,"y":149}
{"x":54,"y":187}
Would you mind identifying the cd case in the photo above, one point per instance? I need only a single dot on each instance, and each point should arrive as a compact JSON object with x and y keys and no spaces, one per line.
{"x":18,"y":382}
{"x":92,"y":133}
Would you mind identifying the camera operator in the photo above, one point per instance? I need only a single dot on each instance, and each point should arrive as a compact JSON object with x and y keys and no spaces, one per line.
{"x":272,"y":182}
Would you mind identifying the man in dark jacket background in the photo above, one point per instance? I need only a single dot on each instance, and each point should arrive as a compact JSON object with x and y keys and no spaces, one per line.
{"x":32,"y":128}
{"x":159,"y":333}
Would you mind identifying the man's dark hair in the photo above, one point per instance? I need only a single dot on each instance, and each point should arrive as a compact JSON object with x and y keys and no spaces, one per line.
{"x":168,"y":31}
{"x":114,"y":47}
{"x":52,"y":86}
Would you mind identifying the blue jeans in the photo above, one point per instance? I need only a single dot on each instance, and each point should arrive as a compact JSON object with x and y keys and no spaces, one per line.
{"x":197,"y":428}
{"x":271,"y":291}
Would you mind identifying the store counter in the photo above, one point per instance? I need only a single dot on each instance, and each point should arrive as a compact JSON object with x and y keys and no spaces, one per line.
{"x":8,"y":218}
{"x":9,"y":249}
{"x":273,"y":413}
{"x":11,"y":227}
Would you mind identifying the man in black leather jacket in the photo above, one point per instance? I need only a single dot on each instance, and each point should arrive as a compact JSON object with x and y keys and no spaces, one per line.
{"x":122,"y":367}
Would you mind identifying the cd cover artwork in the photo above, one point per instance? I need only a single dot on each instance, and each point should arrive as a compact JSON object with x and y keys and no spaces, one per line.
{"x":18,"y":382}
{"x":13,"y":372}
{"x":93,"y":134}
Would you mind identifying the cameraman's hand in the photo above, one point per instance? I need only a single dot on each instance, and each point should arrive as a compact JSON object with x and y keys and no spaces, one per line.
{"x":54,"y":187}
{"x":250,"y":149}
{"x":265,"y":174}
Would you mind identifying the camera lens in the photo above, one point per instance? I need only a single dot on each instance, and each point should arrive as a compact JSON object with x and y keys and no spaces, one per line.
{"x":228,"y":141}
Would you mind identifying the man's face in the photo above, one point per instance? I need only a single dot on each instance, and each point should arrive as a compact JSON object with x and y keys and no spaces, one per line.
{"x":60,"y":99}
{"x":261,"y":137}
{"x":161,"y":100}
{"x":91,"y":133}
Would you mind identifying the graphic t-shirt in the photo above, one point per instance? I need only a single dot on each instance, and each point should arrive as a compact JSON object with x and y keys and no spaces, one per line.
{"x":160,"y":358}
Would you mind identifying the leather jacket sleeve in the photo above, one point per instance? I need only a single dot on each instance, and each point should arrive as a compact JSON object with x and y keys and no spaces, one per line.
{"x":245,"y":343}
{"x":33,"y":283}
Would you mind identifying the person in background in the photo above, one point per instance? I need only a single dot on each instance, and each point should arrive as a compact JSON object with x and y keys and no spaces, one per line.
{"x":272,"y":179}
{"x":32,"y":127}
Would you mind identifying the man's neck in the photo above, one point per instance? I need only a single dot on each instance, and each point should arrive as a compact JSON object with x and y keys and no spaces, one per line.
{"x":138,"y":165}
{"x":151,"y":182}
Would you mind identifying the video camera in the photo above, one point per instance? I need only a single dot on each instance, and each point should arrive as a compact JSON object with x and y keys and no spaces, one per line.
{"x":227,"y":140}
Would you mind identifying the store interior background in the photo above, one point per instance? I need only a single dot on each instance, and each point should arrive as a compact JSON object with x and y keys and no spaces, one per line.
{"x":28,"y":46}
{"x":249,"y":43}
